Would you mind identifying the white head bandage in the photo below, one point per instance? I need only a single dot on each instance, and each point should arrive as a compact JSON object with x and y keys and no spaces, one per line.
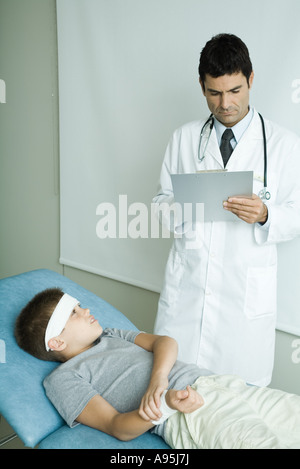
{"x":59,"y":317}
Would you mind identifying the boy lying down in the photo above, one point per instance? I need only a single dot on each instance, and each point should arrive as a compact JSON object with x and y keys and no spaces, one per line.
{"x":125,"y":383}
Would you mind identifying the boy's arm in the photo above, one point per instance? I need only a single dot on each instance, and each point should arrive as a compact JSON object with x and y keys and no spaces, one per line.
{"x":99,"y":414}
{"x":165,"y":351}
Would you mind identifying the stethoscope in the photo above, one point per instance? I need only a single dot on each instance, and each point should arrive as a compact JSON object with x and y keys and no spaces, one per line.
{"x":263,"y":193}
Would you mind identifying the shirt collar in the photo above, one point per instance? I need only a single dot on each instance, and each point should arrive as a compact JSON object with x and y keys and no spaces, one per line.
{"x":238,"y":129}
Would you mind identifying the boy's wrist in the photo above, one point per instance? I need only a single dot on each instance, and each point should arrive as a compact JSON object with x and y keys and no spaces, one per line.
{"x":168,"y":399}
{"x":165,"y":409}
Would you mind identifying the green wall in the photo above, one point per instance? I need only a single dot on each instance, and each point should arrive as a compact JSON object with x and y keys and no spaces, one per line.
{"x":29,"y":157}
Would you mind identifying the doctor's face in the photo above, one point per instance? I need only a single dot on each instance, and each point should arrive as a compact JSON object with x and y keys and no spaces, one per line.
{"x":227,"y":97}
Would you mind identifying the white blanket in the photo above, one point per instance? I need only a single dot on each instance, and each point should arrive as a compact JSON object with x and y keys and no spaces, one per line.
{"x":237,"y":416}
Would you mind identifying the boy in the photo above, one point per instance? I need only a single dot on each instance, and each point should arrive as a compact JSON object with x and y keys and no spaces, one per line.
{"x":125,"y":383}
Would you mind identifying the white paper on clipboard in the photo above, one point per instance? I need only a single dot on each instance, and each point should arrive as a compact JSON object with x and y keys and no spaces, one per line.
{"x":212,"y":188}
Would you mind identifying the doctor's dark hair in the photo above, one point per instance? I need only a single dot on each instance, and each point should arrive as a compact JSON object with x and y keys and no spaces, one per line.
{"x":224,"y":54}
{"x":31,"y":324}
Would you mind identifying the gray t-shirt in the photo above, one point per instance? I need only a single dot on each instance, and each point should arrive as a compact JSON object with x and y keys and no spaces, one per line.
{"x":115,"y":368}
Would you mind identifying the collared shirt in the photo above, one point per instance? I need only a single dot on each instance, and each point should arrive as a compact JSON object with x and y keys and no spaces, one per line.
{"x":238,"y":129}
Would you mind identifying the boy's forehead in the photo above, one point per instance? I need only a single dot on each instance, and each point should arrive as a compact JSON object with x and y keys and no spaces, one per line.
{"x":59,"y":317}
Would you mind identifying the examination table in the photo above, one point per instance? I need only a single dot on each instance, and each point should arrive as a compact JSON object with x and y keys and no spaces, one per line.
{"x":23,"y":402}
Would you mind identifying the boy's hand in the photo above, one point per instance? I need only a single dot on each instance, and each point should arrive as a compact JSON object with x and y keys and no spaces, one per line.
{"x":185,"y":401}
{"x":150,"y":403}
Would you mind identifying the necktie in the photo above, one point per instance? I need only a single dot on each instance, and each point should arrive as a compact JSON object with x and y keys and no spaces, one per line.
{"x":226,"y":148}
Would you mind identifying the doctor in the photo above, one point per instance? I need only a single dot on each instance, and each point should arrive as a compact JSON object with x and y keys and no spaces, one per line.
{"x":219,"y":301}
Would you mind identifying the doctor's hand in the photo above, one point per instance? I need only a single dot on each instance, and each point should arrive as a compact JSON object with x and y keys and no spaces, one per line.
{"x":251,"y":210}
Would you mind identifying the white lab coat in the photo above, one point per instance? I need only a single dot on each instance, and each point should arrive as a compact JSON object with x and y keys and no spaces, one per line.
{"x":219,"y":301}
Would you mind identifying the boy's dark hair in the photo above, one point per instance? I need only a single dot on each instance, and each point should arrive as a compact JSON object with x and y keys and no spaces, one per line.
{"x":32,"y":322}
{"x":224,"y":54}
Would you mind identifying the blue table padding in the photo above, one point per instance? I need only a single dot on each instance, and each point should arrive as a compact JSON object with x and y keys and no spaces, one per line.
{"x":88,"y":438}
{"x":23,"y":402}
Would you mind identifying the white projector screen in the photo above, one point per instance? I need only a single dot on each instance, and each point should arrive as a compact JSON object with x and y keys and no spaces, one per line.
{"x":127,"y":79}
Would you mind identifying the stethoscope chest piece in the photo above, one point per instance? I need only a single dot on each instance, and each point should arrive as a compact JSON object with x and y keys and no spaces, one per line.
{"x":264,"y":194}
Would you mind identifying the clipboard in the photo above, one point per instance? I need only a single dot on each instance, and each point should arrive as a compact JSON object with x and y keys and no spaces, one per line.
{"x":212,"y":188}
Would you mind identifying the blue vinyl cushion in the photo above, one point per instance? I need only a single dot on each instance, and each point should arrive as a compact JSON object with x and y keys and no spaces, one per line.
{"x":23,"y":402}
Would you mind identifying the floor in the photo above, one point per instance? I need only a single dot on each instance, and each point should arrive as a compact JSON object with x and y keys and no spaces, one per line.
{"x":8,"y":440}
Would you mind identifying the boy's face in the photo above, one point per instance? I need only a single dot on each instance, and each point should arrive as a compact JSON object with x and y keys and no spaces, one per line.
{"x":80,"y":332}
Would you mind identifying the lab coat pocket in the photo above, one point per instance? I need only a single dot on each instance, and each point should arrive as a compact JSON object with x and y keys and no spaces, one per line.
{"x":261,"y":298}
{"x":173,"y":277}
